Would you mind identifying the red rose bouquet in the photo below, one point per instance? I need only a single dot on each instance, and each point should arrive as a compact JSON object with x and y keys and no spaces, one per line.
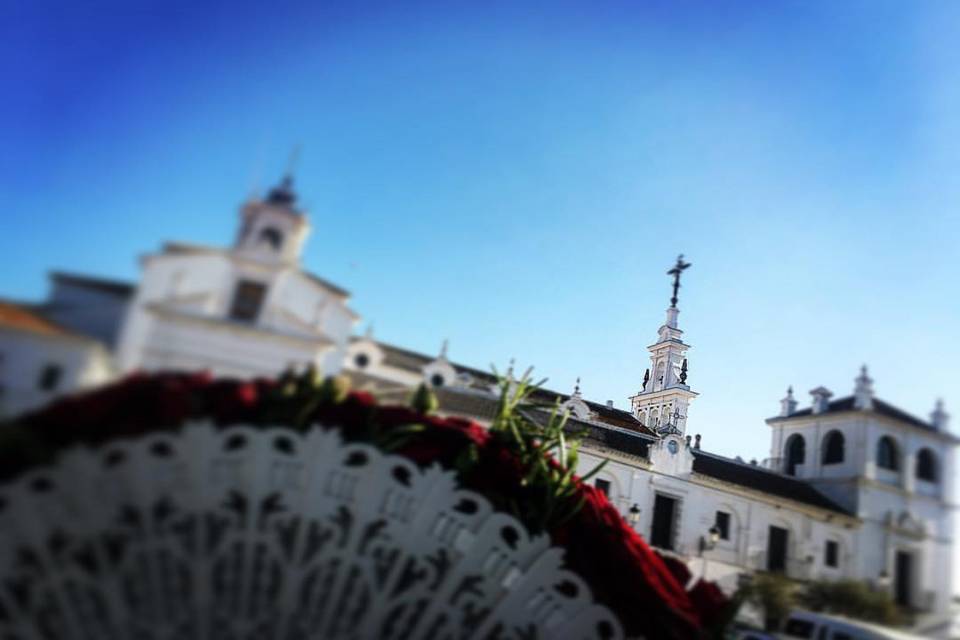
{"x":521,"y":467}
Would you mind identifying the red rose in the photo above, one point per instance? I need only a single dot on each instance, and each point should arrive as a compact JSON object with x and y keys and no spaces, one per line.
{"x":677,"y":567}
{"x":710,"y":602}
{"x":626,"y":574}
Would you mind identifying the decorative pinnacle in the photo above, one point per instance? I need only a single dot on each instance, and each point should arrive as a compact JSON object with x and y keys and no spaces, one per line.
{"x":675,"y":272}
{"x":576,"y":388}
{"x":443,"y":349}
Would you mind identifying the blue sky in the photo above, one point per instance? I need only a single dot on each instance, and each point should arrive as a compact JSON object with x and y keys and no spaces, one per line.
{"x":518,"y":177}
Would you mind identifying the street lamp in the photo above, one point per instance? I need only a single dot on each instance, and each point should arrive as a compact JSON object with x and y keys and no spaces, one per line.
{"x":634,"y":515}
{"x":883,"y":580}
{"x":710,"y":541}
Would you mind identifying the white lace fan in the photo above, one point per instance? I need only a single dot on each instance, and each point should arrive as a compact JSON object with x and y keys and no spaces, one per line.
{"x":253,"y":534}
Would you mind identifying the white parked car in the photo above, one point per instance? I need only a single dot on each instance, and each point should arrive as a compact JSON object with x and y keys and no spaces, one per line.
{"x":806,"y":625}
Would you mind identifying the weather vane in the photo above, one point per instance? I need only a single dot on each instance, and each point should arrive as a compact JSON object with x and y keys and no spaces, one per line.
{"x":675,"y":272}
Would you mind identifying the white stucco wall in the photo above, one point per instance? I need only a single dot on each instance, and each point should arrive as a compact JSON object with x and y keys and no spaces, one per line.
{"x":84,"y":363}
{"x":180,"y":318}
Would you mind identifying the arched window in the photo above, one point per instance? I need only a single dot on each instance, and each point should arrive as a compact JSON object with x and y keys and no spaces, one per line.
{"x":833,"y":448}
{"x":926,"y":465}
{"x":887,"y":454}
{"x":796,"y":453}
{"x":271,"y":236}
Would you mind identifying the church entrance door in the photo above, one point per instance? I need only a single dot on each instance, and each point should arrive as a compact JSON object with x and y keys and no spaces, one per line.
{"x":664,"y":514}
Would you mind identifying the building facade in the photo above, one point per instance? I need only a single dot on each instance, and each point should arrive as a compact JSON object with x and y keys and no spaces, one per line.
{"x":41,"y":360}
{"x":853,"y":488}
{"x":247,"y":310}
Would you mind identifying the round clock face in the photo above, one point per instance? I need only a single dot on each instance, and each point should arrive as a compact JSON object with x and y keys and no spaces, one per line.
{"x":673,"y":447}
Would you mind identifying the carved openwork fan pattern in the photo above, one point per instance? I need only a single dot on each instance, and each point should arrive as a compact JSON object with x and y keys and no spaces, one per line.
{"x":243,"y":534}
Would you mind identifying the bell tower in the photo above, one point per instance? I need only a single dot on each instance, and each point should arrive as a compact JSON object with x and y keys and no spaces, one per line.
{"x":273,"y":229}
{"x":661,"y":404}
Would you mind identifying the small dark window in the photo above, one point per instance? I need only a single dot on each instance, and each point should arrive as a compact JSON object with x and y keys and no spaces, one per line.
{"x":272,"y":236}
{"x":50,"y":377}
{"x":602,"y":485}
{"x":887,"y":457}
{"x":247,"y":299}
{"x":722,"y":523}
{"x":831,"y":555}
{"x":436,"y":380}
{"x":926,"y":465}
{"x":833,"y":448}
{"x":362,"y":360}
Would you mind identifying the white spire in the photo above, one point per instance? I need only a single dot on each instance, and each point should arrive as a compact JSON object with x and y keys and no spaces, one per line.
{"x":443,"y":349}
{"x":789,"y":404}
{"x":863,"y":391}
{"x":663,"y":400}
{"x":939,"y":417}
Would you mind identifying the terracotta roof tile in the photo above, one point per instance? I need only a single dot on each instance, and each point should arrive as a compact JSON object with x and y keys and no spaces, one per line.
{"x":22,"y":318}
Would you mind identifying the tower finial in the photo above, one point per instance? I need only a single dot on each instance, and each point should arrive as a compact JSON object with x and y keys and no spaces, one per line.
{"x":368,"y":334}
{"x":283,"y":194}
{"x":443,"y":349}
{"x":677,"y":269}
{"x":576,"y":388}
{"x":939,"y":418}
{"x":789,"y":404}
{"x":863,"y":390}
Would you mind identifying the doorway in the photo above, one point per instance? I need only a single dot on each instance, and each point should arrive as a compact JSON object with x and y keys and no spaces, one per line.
{"x":903,"y":579}
{"x":664,"y":516}
{"x":777,"y":549}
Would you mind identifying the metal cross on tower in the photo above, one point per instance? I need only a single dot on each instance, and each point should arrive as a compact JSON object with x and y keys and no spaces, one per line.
{"x":675,"y":272}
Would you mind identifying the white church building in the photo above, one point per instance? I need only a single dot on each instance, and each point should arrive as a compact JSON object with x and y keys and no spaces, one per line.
{"x":854,"y":487}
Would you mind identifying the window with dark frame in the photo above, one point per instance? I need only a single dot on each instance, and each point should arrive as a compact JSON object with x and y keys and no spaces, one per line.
{"x":50,"y":377}
{"x":833,"y":448}
{"x":602,"y":485}
{"x":796,"y":453}
{"x":887,"y":455}
{"x":926,"y":465}
{"x":832,"y":554}
{"x":247,"y":299}
{"x":722,"y":522}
